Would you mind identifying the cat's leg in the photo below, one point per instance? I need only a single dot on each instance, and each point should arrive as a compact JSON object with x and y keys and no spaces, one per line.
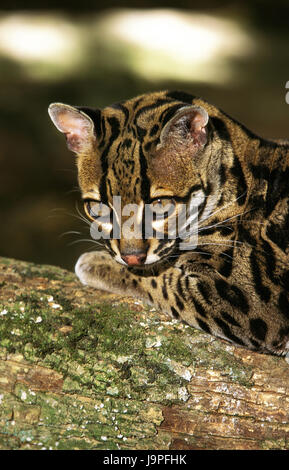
{"x":170,"y":291}
{"x":98,"y":269}
{"x":202,"y":299}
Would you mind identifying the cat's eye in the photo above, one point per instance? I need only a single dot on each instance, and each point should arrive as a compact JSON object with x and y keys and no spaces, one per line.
{"x":94,"y":209}
{"x":162,"y":208}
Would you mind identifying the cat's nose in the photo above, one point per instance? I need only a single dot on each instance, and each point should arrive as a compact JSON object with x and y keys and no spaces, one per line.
{"x":134,"y":259}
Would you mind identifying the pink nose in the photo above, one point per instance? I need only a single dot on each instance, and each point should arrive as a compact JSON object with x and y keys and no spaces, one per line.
{"x":133,"y":260}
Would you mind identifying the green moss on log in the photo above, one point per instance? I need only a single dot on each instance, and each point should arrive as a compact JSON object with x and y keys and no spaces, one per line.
{"x":80,"y":369}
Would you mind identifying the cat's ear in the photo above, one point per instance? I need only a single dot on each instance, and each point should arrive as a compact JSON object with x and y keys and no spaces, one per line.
{"x":77,"y":126}
{"x":189,"y":124}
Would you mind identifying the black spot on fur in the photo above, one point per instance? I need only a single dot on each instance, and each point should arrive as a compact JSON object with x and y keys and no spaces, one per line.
{"x":270,"y":262}
{"x":150,"y":298}
{"x":179,"y":302}
{"x":204,"y":289}
{"x":203,"y":325}
{"x":145,"y":184}
{"x":227,"y":332}
{"x":164,"y":288}
{"x":260,"y":171}
{"x":277,"y":187}
{"x":246,"y":236}
{"x":180,"y":288}
{"x":262,"y":290}
{"x":147,"y":146}
{"x":175,"y":313}
{"x":237,"y":172}
{"x":258,"y":328}
{"x":279,"y":233}
{"x":155,"y":105}
{"x":284,"y":304}
{"x":181,"y":96}
{"x":255,"y":344}
{"x":222,"y":174}
{"x":228,"y":318}
{"x":226,"y":268}
{"x":285,"y":279}
{"x":199,"y":308}
{"x":283,"y":333}
{"x":114,"y":125}
{"x":127,"y":143}
{"x":221,"y":128}
{"x":154,"y":130}
{"x":233,"y":295}
{"x":122,"y":108}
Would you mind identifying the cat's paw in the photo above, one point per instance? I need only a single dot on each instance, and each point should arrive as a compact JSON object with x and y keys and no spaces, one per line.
{"x":94,"y":269}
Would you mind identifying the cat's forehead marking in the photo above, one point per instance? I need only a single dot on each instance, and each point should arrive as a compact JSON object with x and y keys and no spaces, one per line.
{"x":141,"y":121}
{"x":137,"y":169}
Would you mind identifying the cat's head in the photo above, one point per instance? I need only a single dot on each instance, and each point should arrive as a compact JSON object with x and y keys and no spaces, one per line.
{"x":149,"y":172}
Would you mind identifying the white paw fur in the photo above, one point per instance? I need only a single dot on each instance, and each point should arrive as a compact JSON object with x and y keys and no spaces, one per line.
{"x":85,"y":272}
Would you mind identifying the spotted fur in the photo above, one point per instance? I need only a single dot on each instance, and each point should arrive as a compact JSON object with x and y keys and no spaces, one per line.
{"x":234,"y":284}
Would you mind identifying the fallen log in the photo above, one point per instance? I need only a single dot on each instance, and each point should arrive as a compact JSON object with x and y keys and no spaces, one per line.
{"x":84,"y":369}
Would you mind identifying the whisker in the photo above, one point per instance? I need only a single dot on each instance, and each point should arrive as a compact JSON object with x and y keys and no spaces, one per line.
{"x":227,"y":220}
{"x":177,"y":255}
{"x":250,"y":222}
{"x":212,"y":214}
{"x":57,"y":209}
{"x":219,"y":244}
{"x":64,"y":212}
{"x":82,"y":216}
{"x":85,"y":240}
{"x":226,"y":254}
{"x":70,"y":232}
{"x":56,"y":212}
{"x":79,"y":217}
{"x":225,"y":207}
{"x":203,"y":253}
{"x":75,"y":190}
{"x":215,"y":225}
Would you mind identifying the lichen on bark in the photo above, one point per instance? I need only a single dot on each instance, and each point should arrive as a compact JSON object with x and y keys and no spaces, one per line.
{"x":84,"y":369}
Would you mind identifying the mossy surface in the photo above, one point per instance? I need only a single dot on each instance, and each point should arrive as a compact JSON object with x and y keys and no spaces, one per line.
{"x":80,"y":369}
{"x":32,"y":270}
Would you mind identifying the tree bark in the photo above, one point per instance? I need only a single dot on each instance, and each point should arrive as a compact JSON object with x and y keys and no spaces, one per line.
{"x":83,"y":369}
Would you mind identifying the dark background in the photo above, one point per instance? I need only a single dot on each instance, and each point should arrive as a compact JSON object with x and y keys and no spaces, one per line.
{"x":74,"y":52}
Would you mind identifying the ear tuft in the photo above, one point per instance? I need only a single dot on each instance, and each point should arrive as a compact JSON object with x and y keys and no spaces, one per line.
{"x":77,"y":126}
{"x":188,"y":123}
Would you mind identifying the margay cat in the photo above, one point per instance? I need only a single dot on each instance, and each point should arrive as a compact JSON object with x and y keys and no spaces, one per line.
{"x":173,"y":147}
